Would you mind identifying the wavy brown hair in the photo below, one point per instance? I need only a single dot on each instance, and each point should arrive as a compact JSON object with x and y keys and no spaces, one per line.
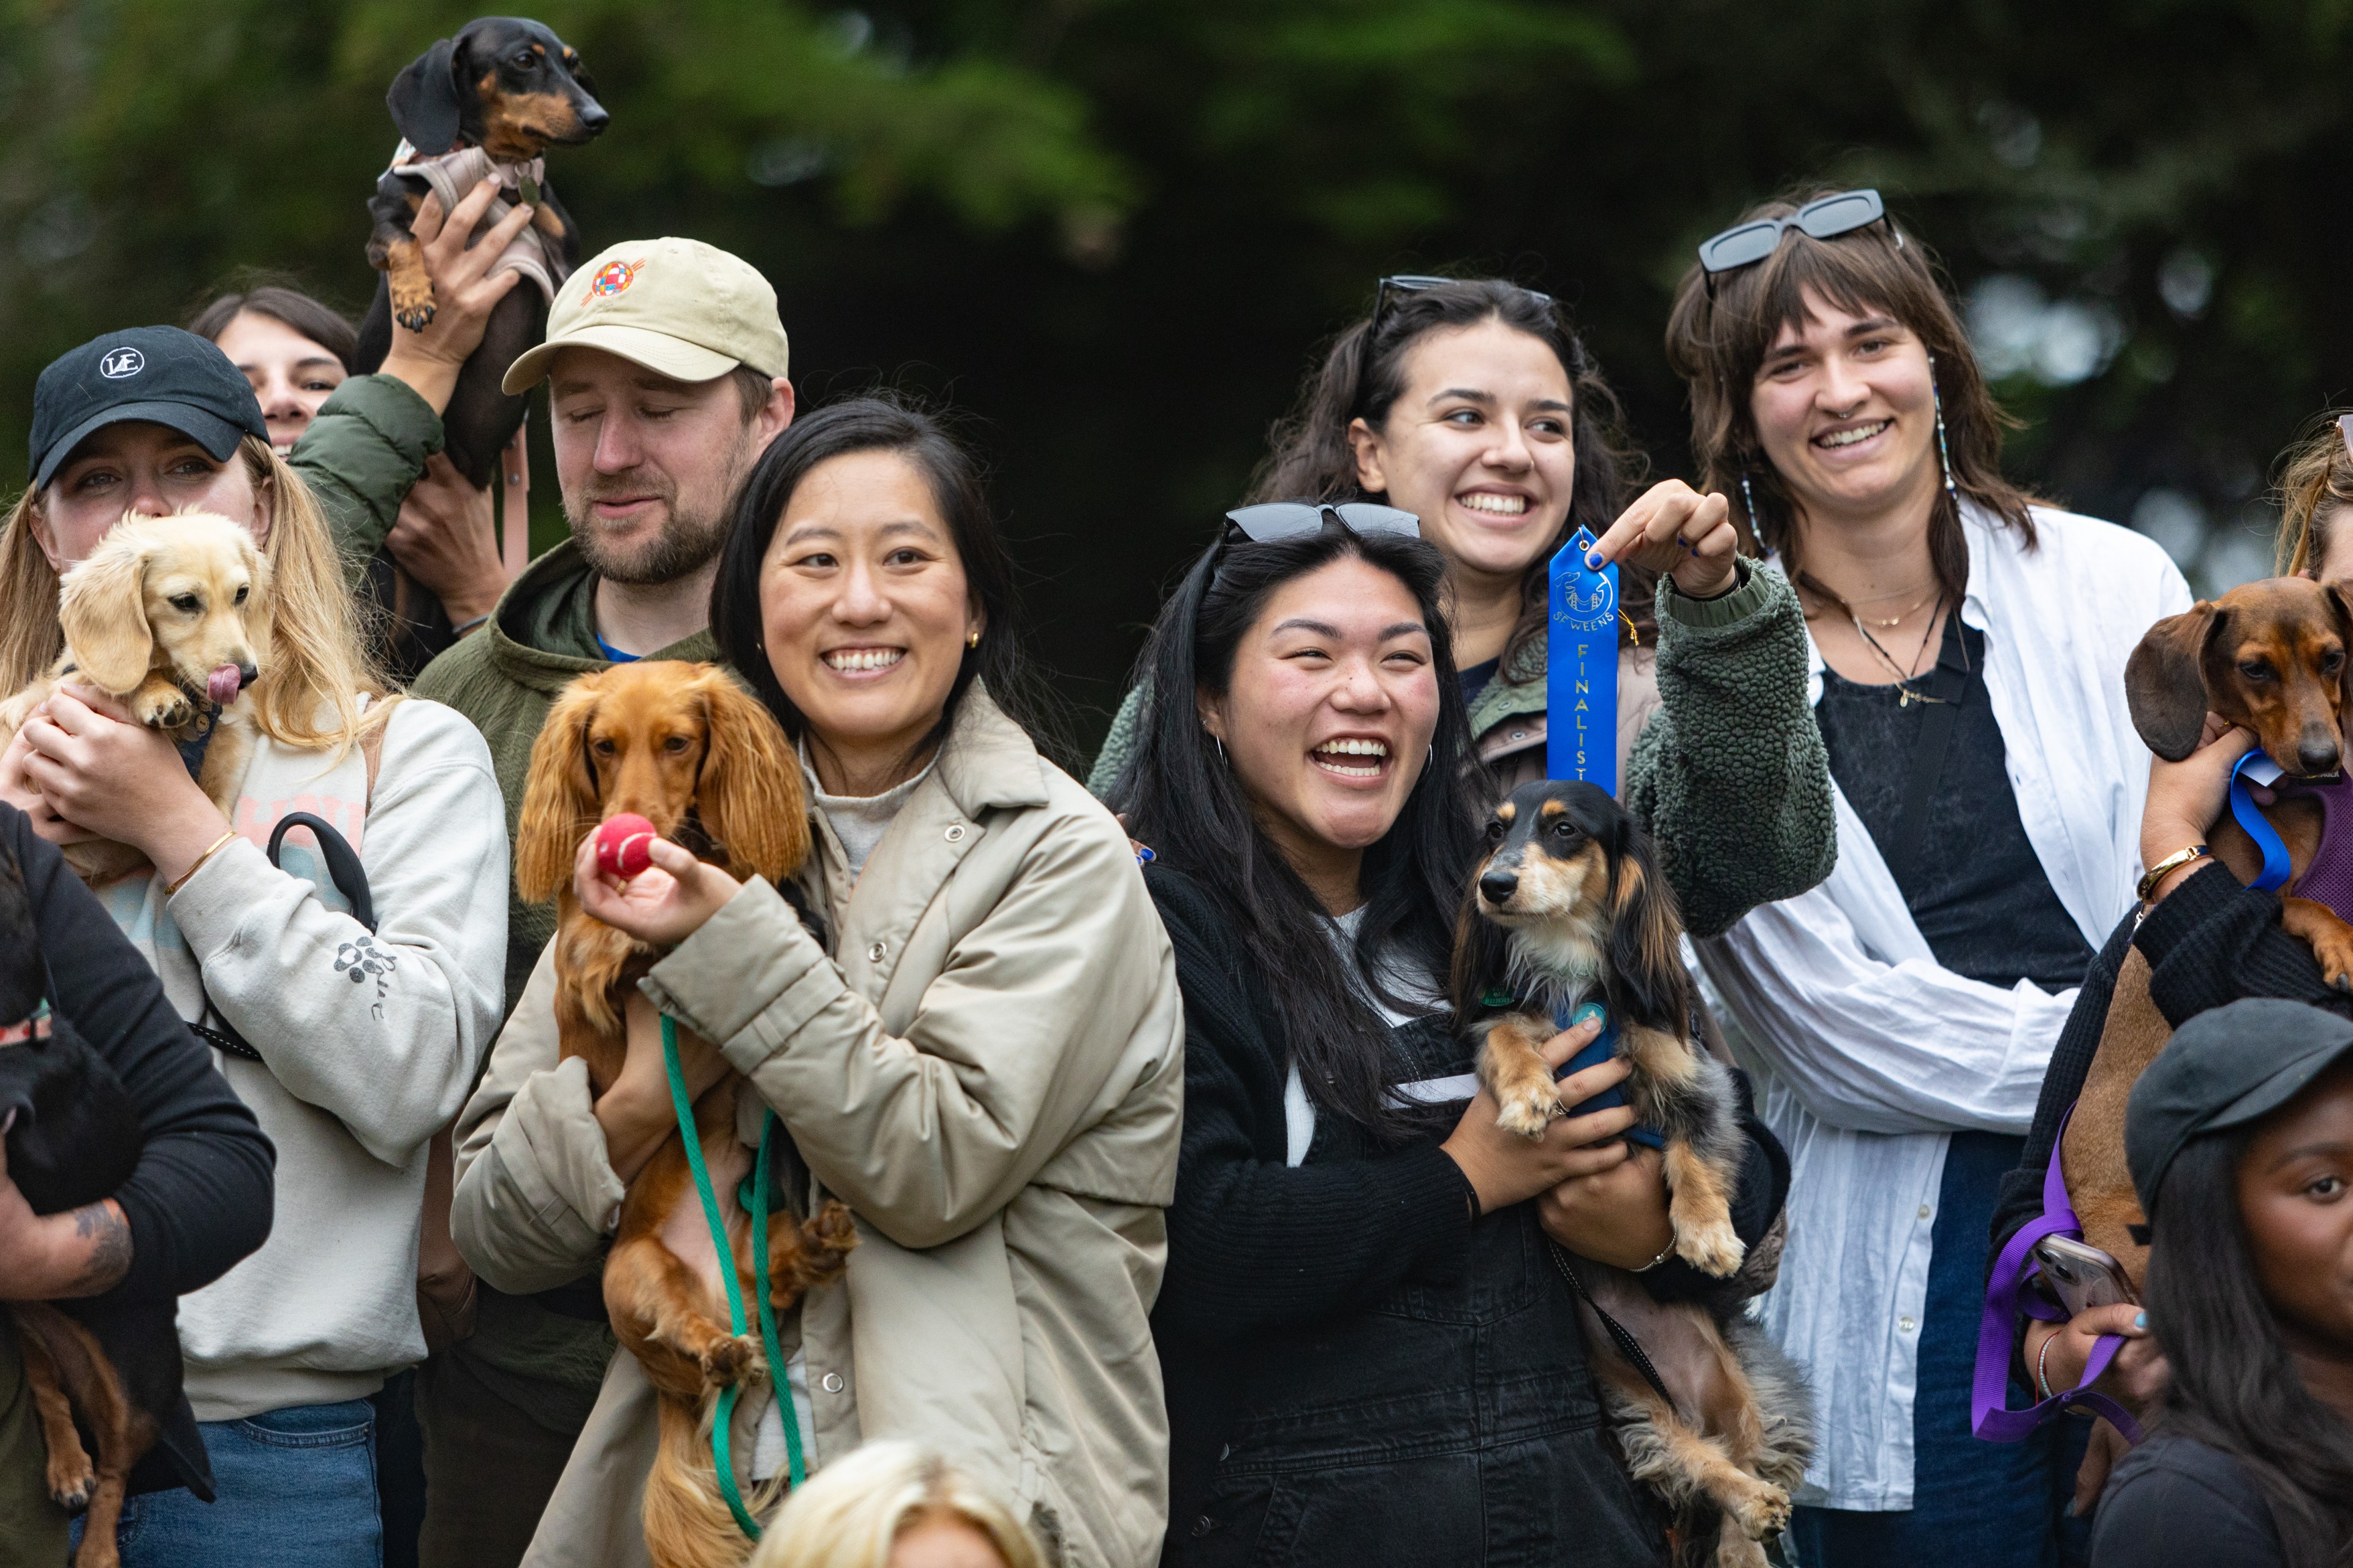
{"x":2314,"y":488}
{"x":1362,"y":376}
{"x":309,"y":697}
{"x":1717,"y":341}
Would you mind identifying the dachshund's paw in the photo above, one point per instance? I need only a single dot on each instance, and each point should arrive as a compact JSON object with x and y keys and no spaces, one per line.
{"x":1528,"y":1112}
{"x":72,"y":1481}
{"x":730,"y":1360}
{"x":412,"y":301}
{"x":1713,"y":1249}
{"x":417,"y":318}
{"x":1764,"y":1512}
{"x":162,"y":706}
{"x":830,"y":1235}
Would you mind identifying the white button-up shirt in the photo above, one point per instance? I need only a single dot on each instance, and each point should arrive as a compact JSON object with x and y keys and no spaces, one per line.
{"x":1870,"y":1053}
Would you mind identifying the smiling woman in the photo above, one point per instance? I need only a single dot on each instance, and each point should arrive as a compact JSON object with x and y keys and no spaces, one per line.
{"x":1967,"y":651}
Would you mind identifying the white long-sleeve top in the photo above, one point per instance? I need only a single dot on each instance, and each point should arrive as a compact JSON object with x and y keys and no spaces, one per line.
{"x":1870,"y":1053}
{"x":369,"y":1042}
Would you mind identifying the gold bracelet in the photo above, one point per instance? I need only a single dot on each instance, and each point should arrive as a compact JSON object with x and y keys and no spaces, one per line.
{"x":2172,"y":862}
{"x":172,"y":888}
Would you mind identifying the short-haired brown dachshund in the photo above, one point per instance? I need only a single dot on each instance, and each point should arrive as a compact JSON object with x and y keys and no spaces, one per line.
{"x":2270,"y":657}
{"x":1567,"y":907}
{"x":686,"y":748}
{"x":509,"y":87}
{"x":172,"y":615}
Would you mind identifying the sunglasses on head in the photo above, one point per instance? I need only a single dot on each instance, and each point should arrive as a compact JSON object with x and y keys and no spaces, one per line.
{"x":1277,"y":520}
{"x":1746,"y":244}
{"x":2345,"y":429}
{"x":1414,"y":283}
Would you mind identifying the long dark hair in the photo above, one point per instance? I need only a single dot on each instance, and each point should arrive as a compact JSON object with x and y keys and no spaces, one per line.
{"x":1182,"y":799}
{"x":883,"y":424}
{"x":2234,"y":1385}
{"x":1363,"y":375}
{"x":1718,"y":340}
{"x":265,"y":295}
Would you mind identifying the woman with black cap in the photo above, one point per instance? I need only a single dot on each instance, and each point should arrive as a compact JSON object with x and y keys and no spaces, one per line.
{"x":353,"y":1033}
{"x":2239,"y":1137}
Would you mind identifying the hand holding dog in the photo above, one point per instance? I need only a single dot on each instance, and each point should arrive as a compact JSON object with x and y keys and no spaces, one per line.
{"x":1616,"y":1216}
{"x":1674,"y":529}
{"x":463,"y":293}
{"x":103,"y":771}
{"x":2187,"y":797}
{"x":634,"y":1110}
{"x":1504,"y":1168}
{"x":22,"y":793}
{"x":446,"y":538}
{"x":47,"y":1257}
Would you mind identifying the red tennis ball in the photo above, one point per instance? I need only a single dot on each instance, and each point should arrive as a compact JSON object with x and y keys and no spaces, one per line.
{"x":625,"y":845}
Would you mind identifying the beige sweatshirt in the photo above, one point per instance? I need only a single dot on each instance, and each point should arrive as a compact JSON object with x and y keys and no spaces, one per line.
{"x":368,"y":1042}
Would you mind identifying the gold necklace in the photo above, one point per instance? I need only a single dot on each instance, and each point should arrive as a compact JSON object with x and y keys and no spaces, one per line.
{"x":1905,"y":695}
{"x":1894,"y":621}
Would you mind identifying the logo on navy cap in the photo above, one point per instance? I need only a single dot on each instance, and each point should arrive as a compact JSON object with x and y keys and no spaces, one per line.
{"x":121,"y":363}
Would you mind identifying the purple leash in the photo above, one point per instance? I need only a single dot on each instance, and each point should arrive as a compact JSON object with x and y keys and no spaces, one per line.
{"x":2006,"y":1297}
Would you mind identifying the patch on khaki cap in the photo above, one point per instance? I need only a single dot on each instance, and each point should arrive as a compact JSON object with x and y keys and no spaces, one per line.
{"x":611,"y":278}
{"x":682,"y":308}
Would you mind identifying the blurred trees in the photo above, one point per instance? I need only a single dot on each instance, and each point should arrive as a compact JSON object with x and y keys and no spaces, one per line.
{"x":1112,"y":230}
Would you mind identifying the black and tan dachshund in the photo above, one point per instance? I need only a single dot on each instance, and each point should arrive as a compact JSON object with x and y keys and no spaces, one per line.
{"x":511,"y":87}
{"x":1567,"y":907}
{"x":96,"y":1369}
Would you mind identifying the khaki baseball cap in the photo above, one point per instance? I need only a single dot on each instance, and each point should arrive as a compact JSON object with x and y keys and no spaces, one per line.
{"x":678,"y":306}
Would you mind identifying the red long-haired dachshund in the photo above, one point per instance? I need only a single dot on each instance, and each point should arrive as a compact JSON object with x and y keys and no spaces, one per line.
{"x":686,"y":748}
{"x":1567,"y":907}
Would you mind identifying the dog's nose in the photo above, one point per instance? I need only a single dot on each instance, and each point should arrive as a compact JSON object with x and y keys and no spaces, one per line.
{"x":1497,"y":886}
{"x":245,"y":676}
{"x":2317,"y":756}
{"x":594,"y":118}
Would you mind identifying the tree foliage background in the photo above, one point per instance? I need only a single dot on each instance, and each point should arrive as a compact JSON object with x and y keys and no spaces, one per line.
{"x":1112,"y":231}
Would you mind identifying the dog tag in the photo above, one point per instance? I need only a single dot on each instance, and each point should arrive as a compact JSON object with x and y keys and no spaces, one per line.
{"x":1581,"y":668}
{"x":528,"y":192}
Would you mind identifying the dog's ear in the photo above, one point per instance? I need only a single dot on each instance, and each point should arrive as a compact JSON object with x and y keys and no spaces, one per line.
{"x":424,"y":101}
{"x":1478,"y":956}
{"x":749,"y":797}
{"x":102,"y":609}
{"x":2165,"y":680}
{"x":559,"y":797}
{"x":1649,"y":984}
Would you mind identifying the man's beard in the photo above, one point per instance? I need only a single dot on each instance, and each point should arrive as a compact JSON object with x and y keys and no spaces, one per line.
{"x":689,"y":541}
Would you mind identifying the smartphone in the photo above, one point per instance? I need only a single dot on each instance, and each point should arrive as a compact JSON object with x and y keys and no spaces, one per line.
{"x":2082,"y":1277}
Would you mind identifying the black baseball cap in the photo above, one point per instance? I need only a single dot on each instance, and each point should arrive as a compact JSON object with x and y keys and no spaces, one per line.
{"x":2224,"y":1068}
{"x":157,"y":374}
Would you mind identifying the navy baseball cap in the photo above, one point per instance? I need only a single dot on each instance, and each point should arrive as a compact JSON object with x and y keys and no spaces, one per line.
{"x":157,"y":374}
{"x":2225,"y":1068}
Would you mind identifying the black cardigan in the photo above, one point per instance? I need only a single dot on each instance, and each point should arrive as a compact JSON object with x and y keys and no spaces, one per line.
{"x":1254,"y":1245}
{"x":199,"y":1199}
{"x":2209,"y":943}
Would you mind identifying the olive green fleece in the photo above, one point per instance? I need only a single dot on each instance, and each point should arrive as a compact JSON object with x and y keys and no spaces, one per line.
{"x":363,"y":451}
{"x":504,"y":677}
{"x":1735,"y":792}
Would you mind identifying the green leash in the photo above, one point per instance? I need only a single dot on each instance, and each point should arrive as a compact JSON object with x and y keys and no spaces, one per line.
{"x":722,"y":1422}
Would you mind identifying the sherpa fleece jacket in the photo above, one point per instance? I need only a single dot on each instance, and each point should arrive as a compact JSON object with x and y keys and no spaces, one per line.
{"x":1729,"y":776}
{"x":504,"y":677}
{"x":368,"y":1041}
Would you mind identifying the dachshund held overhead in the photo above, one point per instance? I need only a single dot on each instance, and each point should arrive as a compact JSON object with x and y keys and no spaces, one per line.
{"x":1568,"y":907}
{"x":171,"y":614}
{"x":486,"y":103}
{"x":686,"y":748}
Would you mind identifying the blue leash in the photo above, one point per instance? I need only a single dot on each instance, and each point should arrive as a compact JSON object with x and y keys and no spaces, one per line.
{"x":2266,"y":837}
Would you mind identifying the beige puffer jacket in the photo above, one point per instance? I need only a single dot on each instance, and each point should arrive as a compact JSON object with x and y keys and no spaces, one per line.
{"x":988,"y":1070}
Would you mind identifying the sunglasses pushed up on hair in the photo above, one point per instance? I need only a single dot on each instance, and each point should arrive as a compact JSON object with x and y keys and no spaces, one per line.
{"x":1275,"y":520}
{"x":1746,"y":244}
{"x":1414,"y":283}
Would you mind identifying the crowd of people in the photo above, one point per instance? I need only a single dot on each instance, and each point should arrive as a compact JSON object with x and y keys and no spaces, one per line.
{"x":1162,"y":1254}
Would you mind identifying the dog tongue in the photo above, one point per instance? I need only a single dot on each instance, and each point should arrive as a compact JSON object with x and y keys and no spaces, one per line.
{"x":222,"y":685}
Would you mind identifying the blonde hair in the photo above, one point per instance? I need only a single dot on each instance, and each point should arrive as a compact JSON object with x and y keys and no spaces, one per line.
{"x":309,"y":697}
{"x":2316,"y":482}
{"x":851,"y":1513}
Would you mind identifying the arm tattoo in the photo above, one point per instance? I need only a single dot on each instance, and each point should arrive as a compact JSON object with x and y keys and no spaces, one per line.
{"x":101,"y":1228}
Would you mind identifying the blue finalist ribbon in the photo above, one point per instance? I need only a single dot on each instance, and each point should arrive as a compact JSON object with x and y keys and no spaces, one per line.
{"x":2266,"y":837}
{"x":1604,"y":1046}
{"x":1581,"y":668}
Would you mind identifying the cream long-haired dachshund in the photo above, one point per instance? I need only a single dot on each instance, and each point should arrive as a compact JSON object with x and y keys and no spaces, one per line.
{"x":171,"y":616}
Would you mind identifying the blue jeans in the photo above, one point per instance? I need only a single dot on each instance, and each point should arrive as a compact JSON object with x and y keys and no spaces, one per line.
{"x":1989,"y":1505}
{"x":296,"y":1488}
